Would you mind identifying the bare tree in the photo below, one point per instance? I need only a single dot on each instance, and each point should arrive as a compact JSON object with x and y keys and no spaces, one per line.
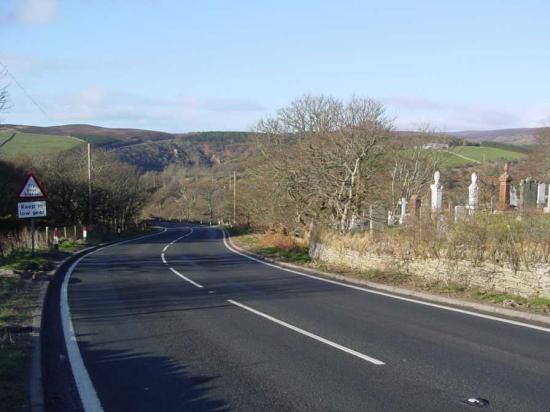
{"x":412,"y":166}
{"x":3,"y":92}
{"x":320,"y":155}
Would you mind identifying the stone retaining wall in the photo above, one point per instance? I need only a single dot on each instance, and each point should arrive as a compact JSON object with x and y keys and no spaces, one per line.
{"x":486,"y":276}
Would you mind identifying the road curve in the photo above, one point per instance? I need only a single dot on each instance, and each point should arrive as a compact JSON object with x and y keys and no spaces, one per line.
{"x":177,"y":321}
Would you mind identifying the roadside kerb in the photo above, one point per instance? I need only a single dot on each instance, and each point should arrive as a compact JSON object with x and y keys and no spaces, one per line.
{"x":533,"y":317}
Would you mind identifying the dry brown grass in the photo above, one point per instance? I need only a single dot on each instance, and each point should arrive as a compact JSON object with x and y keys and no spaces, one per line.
{"x":281,"y":241}
{"x":500,"y":239}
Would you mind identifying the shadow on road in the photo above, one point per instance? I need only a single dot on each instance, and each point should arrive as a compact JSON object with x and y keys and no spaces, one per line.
{"x":172,"y":388}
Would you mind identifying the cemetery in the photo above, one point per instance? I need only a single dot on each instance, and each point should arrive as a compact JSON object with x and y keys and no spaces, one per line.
{"x":502,"y":245}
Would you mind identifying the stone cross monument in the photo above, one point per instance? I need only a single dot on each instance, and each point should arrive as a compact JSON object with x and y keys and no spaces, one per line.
{"x":504,"y":193}
{"x":473,"y":193}
{"x":437,"y":193}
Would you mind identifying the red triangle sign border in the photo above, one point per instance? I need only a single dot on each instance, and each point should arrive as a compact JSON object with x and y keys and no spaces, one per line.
{"x":30,"y":178}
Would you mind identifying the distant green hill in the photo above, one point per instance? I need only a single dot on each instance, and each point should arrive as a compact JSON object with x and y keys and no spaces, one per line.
{"x":467,"y":155}
{"x":31,"y":144}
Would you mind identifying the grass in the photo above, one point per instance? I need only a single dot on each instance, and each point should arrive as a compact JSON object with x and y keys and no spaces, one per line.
{"x":35,"y":144}
{"x":15,"y":304}
{"x":539,"y":303}
{"x":24,"y":261}
{"x":12,"y":375}
{"x":274,"y":246}
{"x":480,"y":154}
{"x":292,"y":255}
{"x":69,"y":245}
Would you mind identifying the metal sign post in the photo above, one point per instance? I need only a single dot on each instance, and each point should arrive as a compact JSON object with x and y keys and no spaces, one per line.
{"x":33,"y":204}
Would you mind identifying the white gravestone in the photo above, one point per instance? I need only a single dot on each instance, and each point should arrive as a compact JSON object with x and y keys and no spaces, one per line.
{"x":460,"y":213}
{"x":391,"y":218}
{"x":473,"y":193}
{"x":403,"y":216}
{"x":513,"y":196}
{"x":437,"y":193}
{"x":541,"y":194}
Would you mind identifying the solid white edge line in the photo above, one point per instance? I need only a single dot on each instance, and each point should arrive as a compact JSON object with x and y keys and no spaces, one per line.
{"x":186,"y":278}
{"x":309,"y":334}
{"x":163,"y":259}
{"x":389,"y":295}
{"x":84,"y":385}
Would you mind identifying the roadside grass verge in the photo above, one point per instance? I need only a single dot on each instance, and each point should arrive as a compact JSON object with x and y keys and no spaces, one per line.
{"x":12,"y":374}
{"x":293,"y":255}
{"x":23,"y":260}
{"x":272,"y":245}
{"x":16,"y":305}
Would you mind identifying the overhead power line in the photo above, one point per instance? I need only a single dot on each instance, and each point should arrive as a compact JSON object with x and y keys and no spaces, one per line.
{"x":33,"y":101}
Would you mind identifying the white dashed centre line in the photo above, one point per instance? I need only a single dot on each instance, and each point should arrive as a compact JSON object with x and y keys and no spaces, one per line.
{"x":186,"y":278}
{"x":309,"y":334}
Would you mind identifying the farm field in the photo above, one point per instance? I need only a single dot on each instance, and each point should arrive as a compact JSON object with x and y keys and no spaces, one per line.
{"x":34,"y":144}
{"x":463,"y":155}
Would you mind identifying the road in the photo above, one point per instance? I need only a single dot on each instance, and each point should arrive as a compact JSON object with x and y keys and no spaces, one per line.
{"x":177,"y":321}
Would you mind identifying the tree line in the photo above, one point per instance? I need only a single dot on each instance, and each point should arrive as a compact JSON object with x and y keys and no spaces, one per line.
{"x":118,"y":190}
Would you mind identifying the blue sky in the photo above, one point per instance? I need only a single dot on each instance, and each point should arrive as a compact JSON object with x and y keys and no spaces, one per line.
{"x":223,"y":65}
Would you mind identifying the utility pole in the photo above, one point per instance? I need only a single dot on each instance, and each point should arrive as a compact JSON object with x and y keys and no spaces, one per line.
{"x":234,"y":198}
{"x":90,"y":208}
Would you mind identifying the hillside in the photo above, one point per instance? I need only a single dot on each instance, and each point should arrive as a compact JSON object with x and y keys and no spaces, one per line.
{"x":153,"y":150}
{"x":523,"y":136}
{"x":460,"y":156}
{"x":103,"y":136}
{"x":204,"y":149}
{"x":30,"y":144}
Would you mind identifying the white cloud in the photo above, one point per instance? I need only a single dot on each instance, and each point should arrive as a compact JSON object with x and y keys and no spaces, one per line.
{"x":95,"y":105}
{"x":36,"y":11}
{"x":27,"y":12}
{"x":450,"y":116}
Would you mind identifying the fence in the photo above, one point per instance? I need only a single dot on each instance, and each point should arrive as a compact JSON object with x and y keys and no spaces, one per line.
{"x":14,"y":241}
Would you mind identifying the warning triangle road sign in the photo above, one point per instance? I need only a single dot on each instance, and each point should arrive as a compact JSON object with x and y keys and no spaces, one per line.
{"x":32,"y":188}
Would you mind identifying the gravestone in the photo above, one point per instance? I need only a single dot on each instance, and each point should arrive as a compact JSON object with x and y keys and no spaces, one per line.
{"x":541,"y":194}
{"x":416,"y":205}
{"x":377,"y":217}
{"x":450,"y":208}
{"x":403,"y":215}
{"x":353,"y":225}
{"x":437,"y":193}
{"x":473,"y":193}
{"x":505,"y":181}
{"x":391,"y":218}
{"x":460,"y":213}
{"x":528,"y":193}
{"x":514,"y":201}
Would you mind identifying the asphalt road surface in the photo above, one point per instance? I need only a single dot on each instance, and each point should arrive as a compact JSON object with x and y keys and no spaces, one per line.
{"x":178,"y":322}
